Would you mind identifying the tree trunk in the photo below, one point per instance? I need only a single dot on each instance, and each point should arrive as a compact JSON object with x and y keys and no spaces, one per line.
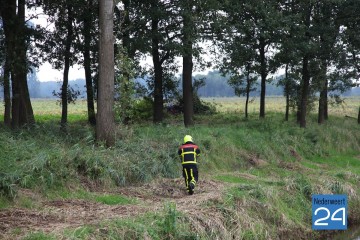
{"x":87,"y":67}
{"x":324,"y":88}
{"x":19,"y":109}
{"x":64,"y":88}
{"x":8,"y":14}
{"x":247,"y":94}
{"x":298,"y":111}
{"x":304,"y":91}
{"x":7,"y":95}
{"x":305,"y":73}
{"x":187,"y":69}
{"x":263,"y":78}
{"x":22,"y":112}
{"x":323,"y":103}
{"x":287,"y":92}
{"x":326,"y":102}
{"x":158,"y":81}
{"x":105,"y":122}
{"x":188,"y":91}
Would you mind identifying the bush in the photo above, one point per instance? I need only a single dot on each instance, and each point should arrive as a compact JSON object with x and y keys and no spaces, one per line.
{"x":8,"y":185}
{"x":201,"y":107}
{"x":142,"y":109}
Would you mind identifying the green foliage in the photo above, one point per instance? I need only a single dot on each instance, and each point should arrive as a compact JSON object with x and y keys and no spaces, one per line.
{"x":169,"y":225}
{"x":143,"y":109}
{"x":303,"y":185}
{"x":8,"y":184}
{"x":125,"y":86}
{"x":79,"y":233}
{"x":72,"y":94}
{"x":44,"y":158}
{"x":200,"y":107}
{"x":340,"y":175}
{"x":166,"y":224}
{"x":39,"y":236}
{"x":232,"y":179}
{"x":277,"y":193}
{"x":4,"y":201}
{"x":91,"y":166}
{"x":336,"y":188}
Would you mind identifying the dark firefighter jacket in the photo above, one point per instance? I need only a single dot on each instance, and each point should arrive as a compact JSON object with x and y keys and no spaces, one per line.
{"x":188,"y":153}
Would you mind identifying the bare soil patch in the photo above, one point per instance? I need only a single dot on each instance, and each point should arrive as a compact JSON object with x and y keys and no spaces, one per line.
{"x":55,"y":216}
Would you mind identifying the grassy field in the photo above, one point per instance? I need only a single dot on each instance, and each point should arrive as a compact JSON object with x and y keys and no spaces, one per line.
{"x":349,"y":107}
{"x":256,"y":176}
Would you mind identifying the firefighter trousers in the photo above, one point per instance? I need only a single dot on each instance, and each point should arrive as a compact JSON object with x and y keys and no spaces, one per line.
{"x":190,"y":174}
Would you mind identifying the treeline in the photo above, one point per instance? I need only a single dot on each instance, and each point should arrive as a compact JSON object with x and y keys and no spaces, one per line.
{"x":215,"y":85}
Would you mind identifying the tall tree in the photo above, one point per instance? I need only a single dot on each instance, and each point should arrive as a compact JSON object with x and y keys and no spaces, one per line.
{"x":15,"y":29}
{"x":314,"y":41}
{"x":347,"y":63}
{"x":328,"y":28}
{"x":288,"y":57}
{"x":149,"y":27}
{"x":163,"y":33}
{"x":73,"y":41}
{"x":67,"y":62}
{"x":299,"y":43}
{"x":188,"y":31}
{"x":59,"y":45}
{"x":128,"y":28}
{"x":89,"y":49}
{"x":240,"y":63}
{"x":256,"y":24}
{"x":158,"y":71}
{"x":5,"y":60}
{"x":105,"y":122}
{"x":243,"y":83}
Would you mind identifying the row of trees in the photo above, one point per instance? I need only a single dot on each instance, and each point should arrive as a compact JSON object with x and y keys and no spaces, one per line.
{"x":316,"y":42}
{"x":214,"y":84}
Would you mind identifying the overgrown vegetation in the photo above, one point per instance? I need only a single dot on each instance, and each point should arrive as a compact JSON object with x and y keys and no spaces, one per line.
{"x":271,"y":168}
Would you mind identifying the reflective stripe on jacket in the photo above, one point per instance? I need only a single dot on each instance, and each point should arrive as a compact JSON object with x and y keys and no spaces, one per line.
{"x":188,"y":153}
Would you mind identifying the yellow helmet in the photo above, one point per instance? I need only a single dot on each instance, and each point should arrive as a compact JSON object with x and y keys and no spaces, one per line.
{"x":187,"y":138}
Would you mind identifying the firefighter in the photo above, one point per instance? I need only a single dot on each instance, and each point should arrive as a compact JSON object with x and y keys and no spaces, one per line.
{"x":189,"y":152}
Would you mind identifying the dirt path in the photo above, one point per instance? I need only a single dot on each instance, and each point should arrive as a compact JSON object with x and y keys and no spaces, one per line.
{"x":55,"y":216}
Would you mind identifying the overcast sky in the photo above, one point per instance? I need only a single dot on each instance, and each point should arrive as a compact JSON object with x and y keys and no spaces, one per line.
{"x":47,"y":73}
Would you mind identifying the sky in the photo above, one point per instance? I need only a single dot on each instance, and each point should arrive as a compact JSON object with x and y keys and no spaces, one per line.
{"x":47,"y":73}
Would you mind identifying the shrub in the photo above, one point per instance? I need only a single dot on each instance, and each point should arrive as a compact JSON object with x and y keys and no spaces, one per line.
{"x":142,"y":109}
{"x":8,"y":184}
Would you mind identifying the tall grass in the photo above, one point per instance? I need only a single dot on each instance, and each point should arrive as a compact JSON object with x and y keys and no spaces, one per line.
{"x":286,"y":165}
{"x":44,"y":156}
